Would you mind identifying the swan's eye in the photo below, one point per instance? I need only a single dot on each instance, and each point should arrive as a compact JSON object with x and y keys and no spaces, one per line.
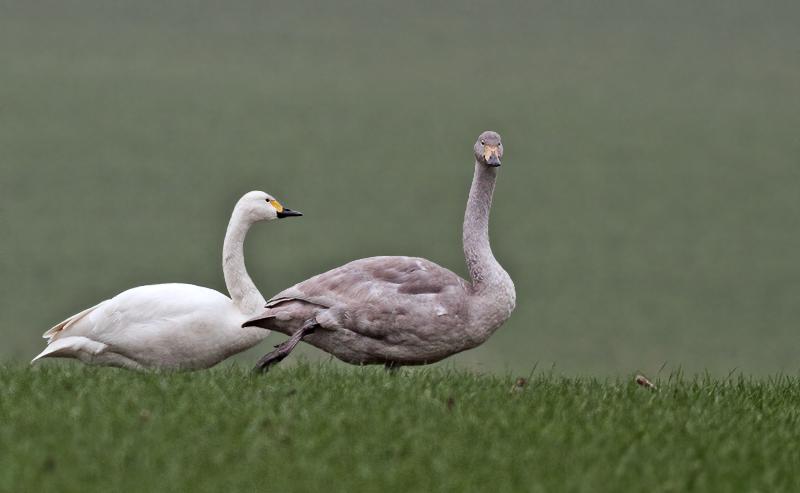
{"x":483,"y":142}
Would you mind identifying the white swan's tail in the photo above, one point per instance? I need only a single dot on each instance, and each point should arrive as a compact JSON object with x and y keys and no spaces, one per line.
{"x":77,"y":347}
{"x":65,"y":324}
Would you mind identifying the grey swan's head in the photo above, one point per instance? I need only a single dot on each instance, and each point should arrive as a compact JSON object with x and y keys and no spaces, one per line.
{"x":489,"y":149}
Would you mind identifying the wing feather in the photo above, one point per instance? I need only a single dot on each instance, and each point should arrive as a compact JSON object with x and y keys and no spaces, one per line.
{"x":377,"y":296}
{"x":69,"y":322}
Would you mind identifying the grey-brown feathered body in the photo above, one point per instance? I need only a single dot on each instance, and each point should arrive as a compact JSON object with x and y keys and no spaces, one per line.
{"x":398,"y":310}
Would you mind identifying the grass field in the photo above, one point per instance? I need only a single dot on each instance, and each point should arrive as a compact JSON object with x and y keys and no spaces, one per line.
{"x":314,"y":427}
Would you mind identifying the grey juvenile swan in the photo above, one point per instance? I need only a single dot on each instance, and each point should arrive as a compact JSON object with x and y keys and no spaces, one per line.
{"x":402,"y":310}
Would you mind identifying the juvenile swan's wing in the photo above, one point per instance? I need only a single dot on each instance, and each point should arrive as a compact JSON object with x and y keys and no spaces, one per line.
{"x":378,"y":297}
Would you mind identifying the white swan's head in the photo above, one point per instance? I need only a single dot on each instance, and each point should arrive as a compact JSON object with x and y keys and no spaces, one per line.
{"x":489,"y":149}
{"x":261,"y":206}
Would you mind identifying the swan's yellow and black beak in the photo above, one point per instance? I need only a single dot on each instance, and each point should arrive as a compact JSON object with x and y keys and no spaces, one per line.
{"x":491,"y":154}
{"x":283,"y":211}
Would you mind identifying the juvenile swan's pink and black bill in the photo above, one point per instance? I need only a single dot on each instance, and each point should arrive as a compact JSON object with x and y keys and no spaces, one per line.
{"x":492,"y":155}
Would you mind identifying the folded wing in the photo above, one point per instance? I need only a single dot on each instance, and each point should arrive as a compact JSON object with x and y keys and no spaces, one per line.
{"x":378,"y":297}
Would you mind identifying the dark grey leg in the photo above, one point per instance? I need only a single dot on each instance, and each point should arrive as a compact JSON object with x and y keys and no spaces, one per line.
{"x":391,"y":367}
{"x":282,"y":350}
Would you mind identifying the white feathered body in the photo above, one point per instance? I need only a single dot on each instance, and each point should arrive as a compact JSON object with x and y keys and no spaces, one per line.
{"x":161,"y":326}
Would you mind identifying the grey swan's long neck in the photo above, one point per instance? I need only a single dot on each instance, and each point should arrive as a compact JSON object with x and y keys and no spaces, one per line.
{"x":241,"y":288}
{"x":488,"y":278}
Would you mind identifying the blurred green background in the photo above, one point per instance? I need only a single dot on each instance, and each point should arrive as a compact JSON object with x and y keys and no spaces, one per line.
{"x":648,"y":208}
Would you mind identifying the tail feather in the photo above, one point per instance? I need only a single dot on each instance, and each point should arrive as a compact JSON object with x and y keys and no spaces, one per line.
{"x":69,"y":322}
{"x":264,"y":320}
{"x":72,"y":347}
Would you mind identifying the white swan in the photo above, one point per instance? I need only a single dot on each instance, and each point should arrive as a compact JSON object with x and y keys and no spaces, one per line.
{"x":174,"y":326}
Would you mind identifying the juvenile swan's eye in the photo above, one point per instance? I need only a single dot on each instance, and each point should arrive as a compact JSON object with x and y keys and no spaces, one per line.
{"x":483,"y":142}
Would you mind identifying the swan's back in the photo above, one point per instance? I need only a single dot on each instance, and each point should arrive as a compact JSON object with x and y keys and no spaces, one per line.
{"x":372,"y":279}
{"x":391,"y":297}
{"x":152,"y":306}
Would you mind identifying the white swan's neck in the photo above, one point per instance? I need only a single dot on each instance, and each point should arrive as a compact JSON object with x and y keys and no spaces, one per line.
{"x":484,"y":271}
{"x":240,"y":287}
